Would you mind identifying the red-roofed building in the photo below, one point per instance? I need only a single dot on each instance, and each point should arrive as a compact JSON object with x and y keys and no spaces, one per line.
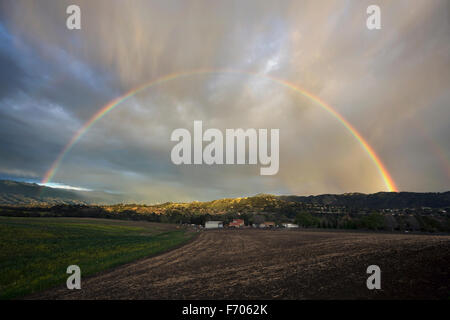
{"x":236,"y":223}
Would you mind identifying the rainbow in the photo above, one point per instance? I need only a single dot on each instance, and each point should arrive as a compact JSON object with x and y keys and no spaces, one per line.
{"x":388,"y":181}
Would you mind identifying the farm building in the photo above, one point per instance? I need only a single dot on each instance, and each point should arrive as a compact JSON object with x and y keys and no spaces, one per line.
{"x":267,"y":224}
{"x":236,"y":223}
{"x":213,"y":224}
{"x":290,"y":225}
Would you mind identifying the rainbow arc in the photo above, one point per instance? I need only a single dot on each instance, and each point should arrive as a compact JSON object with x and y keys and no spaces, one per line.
{"x":388,"y":181}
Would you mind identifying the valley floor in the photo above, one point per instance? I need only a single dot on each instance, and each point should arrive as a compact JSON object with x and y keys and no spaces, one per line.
{"x":281,"y":264}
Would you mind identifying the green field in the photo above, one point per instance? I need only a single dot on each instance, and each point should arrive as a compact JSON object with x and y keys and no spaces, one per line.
{"x":35,"y":252}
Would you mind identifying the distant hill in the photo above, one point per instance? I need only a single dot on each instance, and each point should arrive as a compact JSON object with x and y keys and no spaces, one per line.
{"x":389,"y":211}
{"x":380,"y":200}
{"x":23,"y":193}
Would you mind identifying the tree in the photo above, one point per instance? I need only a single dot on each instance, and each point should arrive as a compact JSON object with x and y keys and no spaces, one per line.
{"x":373,"y":221}
{"x":306,"y":220}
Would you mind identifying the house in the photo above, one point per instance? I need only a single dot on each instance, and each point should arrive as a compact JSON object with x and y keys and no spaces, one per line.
{"x":290,"y":225}
{"x":267,"y":224}
{"x":213,"y":224}
{"x":236,"y":223}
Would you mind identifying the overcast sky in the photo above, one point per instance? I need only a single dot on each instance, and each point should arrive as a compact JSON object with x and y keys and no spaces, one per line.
{"x":392,"y":85}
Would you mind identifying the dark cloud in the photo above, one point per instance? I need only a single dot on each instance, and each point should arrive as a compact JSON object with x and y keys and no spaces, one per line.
{"x":392,"y":85}
{"x":11,"y":75}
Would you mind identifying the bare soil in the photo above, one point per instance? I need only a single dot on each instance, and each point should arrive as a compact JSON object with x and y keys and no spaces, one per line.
{"x":279,"y":264}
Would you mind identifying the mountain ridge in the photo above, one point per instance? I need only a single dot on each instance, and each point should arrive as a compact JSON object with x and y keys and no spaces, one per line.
{"x":28,"y":193}
{"x":25,"y":193}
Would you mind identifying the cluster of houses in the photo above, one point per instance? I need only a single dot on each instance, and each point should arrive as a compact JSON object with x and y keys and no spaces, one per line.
{"x":239,"y":223}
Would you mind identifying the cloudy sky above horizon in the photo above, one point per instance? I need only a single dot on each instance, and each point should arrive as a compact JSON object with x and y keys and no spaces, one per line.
{"x":392,"y":85}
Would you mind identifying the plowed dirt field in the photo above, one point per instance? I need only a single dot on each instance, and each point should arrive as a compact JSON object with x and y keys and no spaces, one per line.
{"x":279,"y":264}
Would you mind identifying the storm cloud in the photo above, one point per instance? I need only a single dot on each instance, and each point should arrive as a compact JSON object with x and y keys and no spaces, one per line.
{"x":392,"y":85}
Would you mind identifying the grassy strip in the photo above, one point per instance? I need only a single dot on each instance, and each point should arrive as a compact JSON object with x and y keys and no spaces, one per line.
{"x":35,"y":252}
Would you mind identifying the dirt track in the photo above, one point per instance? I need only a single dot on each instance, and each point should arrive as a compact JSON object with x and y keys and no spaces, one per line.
{"x":282,"y":264}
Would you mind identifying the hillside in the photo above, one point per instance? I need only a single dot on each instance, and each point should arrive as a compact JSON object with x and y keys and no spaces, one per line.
{"x":23,"y":193}
{"x":380,"y":200}
{"x":379,"y":211}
